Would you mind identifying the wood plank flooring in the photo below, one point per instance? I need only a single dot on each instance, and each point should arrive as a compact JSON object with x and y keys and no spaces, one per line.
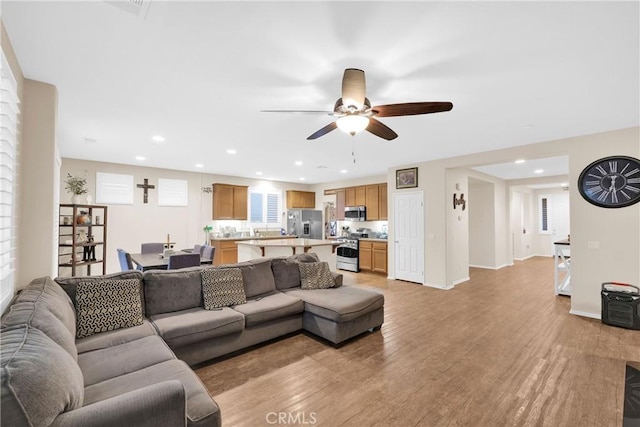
{"x":498,"y":350}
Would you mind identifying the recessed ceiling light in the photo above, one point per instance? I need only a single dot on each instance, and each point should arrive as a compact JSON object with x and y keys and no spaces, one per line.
{"x":564,"y":184}
{"x":538,"y":171}
{"x":343,"y":171}
{"x":258,"y":173}
{"x":140,"y":158}
{"x":519,"y":161}
{"x":302,"y":178}
{"x":231,"y":151}
{"x":157,"y":138}
{"x":199,"y":165}
{"x":298,"y":163}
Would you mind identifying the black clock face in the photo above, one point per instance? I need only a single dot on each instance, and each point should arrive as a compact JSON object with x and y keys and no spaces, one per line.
{"x":612,"y":182}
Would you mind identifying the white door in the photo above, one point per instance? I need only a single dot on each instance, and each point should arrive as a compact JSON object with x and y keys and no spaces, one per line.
{"x":409,"y":237}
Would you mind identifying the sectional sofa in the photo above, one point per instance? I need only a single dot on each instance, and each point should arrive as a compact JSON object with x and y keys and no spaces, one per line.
{"x":139,"y":374}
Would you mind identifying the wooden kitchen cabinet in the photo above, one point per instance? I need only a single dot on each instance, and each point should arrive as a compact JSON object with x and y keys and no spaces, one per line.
{"x":372,"y":204}
{"x":226,"y":251}
{"x":230,"y":201}
{"x":340,"y":204}
{"x":379,"y":257}
{"x":373,"y":256}
{"x":301,"y":199}
{"x":361,"y":196}
{"x":365,"y":250}
{"x":350,"y":196}
{"x":382,"y":202}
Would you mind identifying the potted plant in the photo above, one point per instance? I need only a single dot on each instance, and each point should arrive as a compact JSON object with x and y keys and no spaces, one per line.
{"x":207,"y":229}
{"x":77,"y":187}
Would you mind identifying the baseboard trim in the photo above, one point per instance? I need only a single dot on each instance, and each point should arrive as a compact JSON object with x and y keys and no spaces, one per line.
{"x":490,"y":268}
{"x":525,"y":258}
{"x":586,"y":314}
{"x":444,"y":288}
{"x":457,"y":282}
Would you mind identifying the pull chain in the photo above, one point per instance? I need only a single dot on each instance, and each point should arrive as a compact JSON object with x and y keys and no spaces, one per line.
{"x":353,"y":150}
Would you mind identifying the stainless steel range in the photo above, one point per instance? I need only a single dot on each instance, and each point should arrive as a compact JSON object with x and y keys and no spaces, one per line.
{"x":347,"y":254}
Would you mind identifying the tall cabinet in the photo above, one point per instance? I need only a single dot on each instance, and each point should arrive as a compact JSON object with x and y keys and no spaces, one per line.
{"x":82,"y":238}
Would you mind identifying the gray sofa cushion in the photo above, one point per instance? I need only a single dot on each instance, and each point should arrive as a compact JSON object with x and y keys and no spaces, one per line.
{"x":53,"y":297}
{"x":106,"y":305}
{"x":39,"y":378}
{"x":222,"y":287}
{"x":115,"y":337}
{"x":257,"y":276}
{"x":285,"y":273}
{"x":197,"y":324}
{"x":339,"y":304}
{"x":172,"y":290}
{"x":201,"y":409}
{"x":270,"y":307}
{"x":69,"y":284}
{"x":100,"y":365}
{"x":306,"y":257}
{"x":36,"y":314}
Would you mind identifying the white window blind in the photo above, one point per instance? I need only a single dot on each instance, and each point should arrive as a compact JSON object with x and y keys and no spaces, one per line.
{"x":9,"y":119}
{"x":265,"y":207}
{"x":543,"y":218}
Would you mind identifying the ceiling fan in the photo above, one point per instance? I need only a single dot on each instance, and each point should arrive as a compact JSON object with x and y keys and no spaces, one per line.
{"x":354,"y":111}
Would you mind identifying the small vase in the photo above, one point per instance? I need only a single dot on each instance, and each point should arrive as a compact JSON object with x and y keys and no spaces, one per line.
{"x":77,"y":199}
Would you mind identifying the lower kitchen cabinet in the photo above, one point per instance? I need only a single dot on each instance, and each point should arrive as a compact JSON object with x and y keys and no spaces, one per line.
{"x":226,"y":252}
{"x":373,"y":256}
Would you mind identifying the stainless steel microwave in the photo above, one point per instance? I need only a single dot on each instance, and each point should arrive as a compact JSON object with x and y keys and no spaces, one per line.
{"x":355,"y":213}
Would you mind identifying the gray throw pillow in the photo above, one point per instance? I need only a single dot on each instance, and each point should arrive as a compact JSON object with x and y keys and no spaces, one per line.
{"x":315,"y":275}
{"x":222,"y":287}
{"x":107,"y":305}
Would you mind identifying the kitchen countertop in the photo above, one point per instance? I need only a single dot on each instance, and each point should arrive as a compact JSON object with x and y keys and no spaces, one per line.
{"x":224,"y":239}
{"x":288,"y":242}
{"x":371,"y":239}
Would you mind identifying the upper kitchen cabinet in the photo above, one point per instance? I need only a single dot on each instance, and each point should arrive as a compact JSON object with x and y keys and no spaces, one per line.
{"x":340,"y":204}
{"x":382,"y":202}
{"x":355,"y":196}
{"x":230,"y":201}
{"x":372,"y":202}
{"x":301,"y":199}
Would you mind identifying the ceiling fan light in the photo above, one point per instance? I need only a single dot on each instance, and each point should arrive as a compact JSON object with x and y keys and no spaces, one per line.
{"x":352,"y":124}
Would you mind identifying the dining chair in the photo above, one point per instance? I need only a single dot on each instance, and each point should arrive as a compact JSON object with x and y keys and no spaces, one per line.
{"x":208,"y":252}
{"x":125,"y":260}
{"x":183,"y":260}
{"x":151,"y":248}
{"x":196,"y":249}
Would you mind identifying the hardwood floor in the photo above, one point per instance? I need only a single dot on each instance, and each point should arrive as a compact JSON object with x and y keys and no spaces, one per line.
{"x":498,"y":350}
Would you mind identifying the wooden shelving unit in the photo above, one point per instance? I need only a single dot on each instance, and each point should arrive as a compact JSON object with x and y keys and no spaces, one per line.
{"x":73,"y":253}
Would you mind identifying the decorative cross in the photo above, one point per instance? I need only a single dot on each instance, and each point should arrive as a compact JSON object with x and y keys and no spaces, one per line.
{"x":146,"y":187}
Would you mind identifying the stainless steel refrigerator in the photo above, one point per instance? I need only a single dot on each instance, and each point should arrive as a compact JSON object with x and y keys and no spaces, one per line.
{"x":305,"y":223}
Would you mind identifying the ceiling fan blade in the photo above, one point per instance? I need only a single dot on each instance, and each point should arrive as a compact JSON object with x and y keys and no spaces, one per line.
{"x":329,"y":113}
{"x":328,"y":128}
{"x":411,"y":108}
{"x":354,"y":88}
{"x":378,"y":128}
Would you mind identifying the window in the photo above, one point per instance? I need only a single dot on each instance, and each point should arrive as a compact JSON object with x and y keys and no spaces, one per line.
{"x":265,"y":207}
{"x":9,"y":111}
{"x":543,"y":209}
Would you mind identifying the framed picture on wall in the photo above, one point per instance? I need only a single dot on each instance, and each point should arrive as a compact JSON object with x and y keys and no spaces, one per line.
{"x":407,"y":178}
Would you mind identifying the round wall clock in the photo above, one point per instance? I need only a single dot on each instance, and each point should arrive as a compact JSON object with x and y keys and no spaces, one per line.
{"x":611,"y":182}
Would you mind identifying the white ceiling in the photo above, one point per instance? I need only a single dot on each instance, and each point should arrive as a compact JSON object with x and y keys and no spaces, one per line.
{"x":198,"y":73}
{"x":528,"y":168}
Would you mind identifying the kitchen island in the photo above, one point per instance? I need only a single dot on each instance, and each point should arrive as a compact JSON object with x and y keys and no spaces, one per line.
{"x":226,"y":249}
{"x":253,"y":249}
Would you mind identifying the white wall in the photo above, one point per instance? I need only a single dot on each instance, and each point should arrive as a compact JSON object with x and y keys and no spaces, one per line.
{"x":482,"y":251}
{"x":457,"y":228}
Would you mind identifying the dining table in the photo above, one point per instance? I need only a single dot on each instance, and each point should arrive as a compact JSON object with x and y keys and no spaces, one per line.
{"x":157,"y":261}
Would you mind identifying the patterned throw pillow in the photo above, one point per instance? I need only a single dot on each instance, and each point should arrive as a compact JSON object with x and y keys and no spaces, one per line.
{"x":315,"y":275}
{"x":222,"y":287}
{"x":106,"y":305}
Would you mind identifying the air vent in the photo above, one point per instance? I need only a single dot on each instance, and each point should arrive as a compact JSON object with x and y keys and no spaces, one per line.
{"x":137,"y":8}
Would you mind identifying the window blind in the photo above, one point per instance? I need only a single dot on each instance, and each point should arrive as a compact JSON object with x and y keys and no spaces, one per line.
{"x":265,"y":207}
{"x":9,"y":119}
